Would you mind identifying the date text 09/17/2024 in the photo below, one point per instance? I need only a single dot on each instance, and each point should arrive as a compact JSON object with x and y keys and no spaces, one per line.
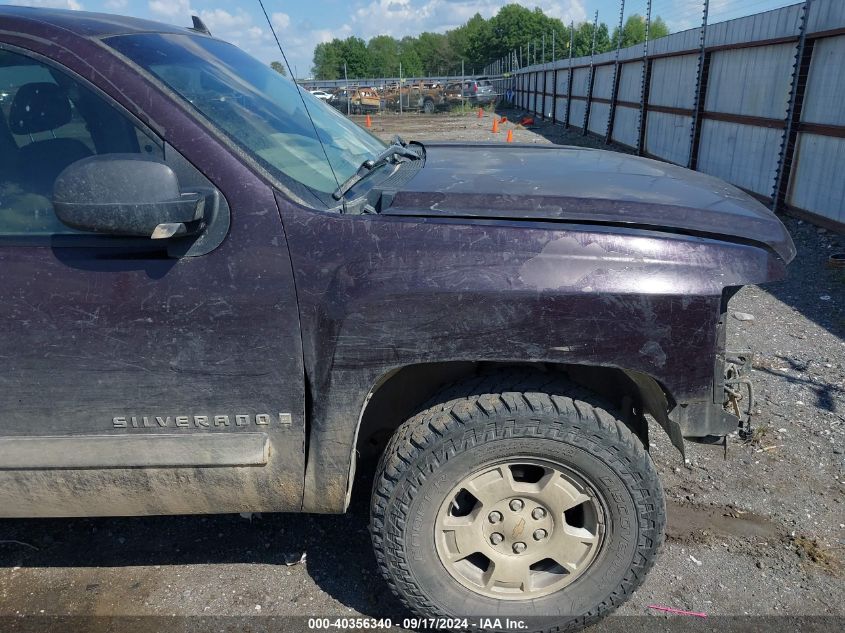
{"x":457,"y":624}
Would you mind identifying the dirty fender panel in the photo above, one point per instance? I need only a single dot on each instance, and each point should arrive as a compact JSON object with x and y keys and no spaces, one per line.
{"x":377,"y":293}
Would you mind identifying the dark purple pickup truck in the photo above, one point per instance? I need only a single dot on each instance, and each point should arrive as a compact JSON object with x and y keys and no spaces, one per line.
{"x":218,"y":294}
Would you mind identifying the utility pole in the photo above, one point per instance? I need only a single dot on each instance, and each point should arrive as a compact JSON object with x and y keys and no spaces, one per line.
{"x":348,"y":99}
{"x":614,"y":88}
{"x":592,"y":76}
{"x":701,"y":86}
{"x":462,"y":84}
{"x":645,"y":80}
{"x":569,"y":76}
{"x":803,"y":60}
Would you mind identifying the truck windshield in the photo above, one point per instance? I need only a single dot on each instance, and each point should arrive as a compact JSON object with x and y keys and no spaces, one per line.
{"x":257,"y":108}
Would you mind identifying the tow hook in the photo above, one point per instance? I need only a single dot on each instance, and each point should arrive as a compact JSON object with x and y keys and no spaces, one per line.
{"x":739,"y":390}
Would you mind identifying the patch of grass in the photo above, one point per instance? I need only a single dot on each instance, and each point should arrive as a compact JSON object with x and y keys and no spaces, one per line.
{"x":759,"y":434}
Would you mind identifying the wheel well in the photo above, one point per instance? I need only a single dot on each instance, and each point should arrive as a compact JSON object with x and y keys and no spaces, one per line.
{"x":403,"y":392}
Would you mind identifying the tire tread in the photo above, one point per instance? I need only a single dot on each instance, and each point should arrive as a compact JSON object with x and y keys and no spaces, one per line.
{"x":496,"y":405}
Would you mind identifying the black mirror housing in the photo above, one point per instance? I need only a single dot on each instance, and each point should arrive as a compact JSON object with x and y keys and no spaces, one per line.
{"x":126,"y":195}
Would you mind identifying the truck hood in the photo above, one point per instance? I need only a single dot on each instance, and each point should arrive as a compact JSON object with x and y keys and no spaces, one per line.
{"x":555,"y":183}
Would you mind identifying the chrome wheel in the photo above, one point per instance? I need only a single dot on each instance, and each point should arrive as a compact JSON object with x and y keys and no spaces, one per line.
{"x":520,"y":529}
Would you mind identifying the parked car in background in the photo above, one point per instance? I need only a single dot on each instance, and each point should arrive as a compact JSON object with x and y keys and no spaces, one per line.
{"x":356,"y":100}
{"x":321,"y":94}
{"x":473,"y":91}
{"x":416,"y":97}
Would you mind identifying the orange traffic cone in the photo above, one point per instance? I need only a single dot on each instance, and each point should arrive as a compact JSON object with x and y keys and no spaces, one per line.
{"x":480,"y":112}
{"x":510,"y":137}
{"x":495,"y":126}
{"x":369,"y":122}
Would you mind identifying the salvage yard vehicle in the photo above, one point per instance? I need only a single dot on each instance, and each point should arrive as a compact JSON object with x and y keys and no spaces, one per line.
{"x":472,"y":91}
{"x":356,"y":100}
{"x":417,"y":97}
{"x":321,"y":94}
{"x":211,"y":304}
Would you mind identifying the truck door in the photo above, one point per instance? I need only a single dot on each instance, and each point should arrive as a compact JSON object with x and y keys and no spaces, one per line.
{"x":138,"y":376}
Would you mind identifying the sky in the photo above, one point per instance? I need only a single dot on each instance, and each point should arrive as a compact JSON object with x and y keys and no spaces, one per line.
{"x":301,"y":24}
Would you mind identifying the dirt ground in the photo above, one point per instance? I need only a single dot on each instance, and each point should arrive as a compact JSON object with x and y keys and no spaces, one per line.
{"x":758,"y":533}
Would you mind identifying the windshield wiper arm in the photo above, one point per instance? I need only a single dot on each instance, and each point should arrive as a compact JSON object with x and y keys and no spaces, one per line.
{"x":369,"y":166}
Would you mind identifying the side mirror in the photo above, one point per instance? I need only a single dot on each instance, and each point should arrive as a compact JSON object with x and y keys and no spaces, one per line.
{"x":128,"y":195}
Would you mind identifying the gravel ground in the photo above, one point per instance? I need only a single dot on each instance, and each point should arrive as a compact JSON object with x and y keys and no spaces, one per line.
{"x":759,"y":533}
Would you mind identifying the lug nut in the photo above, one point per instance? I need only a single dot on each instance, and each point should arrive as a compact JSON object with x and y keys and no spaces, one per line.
{"x":539,"y":535}
{"x":538,"y":513}
{"x":496,"y":538}
{"x":518,"y":548}
{"x":495,"y":517}
{"x":516,"y":505}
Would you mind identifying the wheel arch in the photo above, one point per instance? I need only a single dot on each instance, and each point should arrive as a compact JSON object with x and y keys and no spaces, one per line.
{"x":403,"y":391}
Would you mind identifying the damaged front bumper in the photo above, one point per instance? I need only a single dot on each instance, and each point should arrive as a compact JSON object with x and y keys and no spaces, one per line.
{"x":731,"y":407}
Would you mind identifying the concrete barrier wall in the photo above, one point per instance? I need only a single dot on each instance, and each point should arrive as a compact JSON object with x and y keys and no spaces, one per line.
{"x":737,"y":127}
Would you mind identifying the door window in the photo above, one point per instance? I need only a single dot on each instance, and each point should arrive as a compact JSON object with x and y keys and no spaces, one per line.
{"x":48,"y":120}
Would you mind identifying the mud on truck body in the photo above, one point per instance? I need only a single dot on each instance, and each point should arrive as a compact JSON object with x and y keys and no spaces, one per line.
{"x":198,"y":319}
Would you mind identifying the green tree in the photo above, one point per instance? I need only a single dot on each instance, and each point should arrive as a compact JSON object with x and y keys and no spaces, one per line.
{"x":516,"y":27}
{"x":329,"y":58}
{"x":353,"y":51}
{"x":327,"y":61}
{"x":279,"y":67}
{"x":477,"y":43}
{"x":383,"y":52}
{"x":411,"y":63}
{"x":474,"y":44}
{"x":583,"y":40}
{"x":633,"y":31}
{"x":434,"y":53}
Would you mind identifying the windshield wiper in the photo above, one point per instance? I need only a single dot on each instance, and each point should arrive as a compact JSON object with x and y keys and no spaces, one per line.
{"x":370,"y":165}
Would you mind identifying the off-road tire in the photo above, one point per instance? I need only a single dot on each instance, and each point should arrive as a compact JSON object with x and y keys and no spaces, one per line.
{"x":428,"y":106}
{"x":514,"y":414}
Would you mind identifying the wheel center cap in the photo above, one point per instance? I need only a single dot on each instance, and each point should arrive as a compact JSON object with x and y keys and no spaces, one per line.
{"x":518,"y":525}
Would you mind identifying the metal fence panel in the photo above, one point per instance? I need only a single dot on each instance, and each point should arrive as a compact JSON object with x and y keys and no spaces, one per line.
{"x":817,"y":184}
{"x":560,"y":110}
{"x":673,"y":81}
{"x":580,"y":82}
{"x":826,"y":15}
{"x":603,"y":83}
{"x":667,"y":136}
{"x":598,"y":117}
{"x":757,"y":98}
{"x":751,"y":81}
{"x":625,"y":125}
{"x":630,"y":79}
{"x":576,"y":112}
{"x":745,"y":155}
{"x":824,"y":101}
